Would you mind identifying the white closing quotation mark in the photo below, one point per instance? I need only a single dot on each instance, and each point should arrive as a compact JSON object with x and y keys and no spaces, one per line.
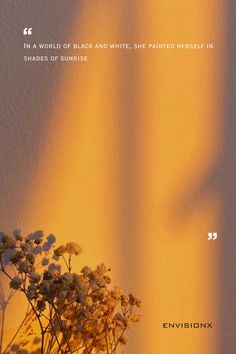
{"x":212,"y":236}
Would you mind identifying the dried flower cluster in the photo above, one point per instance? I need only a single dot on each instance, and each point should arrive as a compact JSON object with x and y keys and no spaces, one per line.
{"x":76,"y":312}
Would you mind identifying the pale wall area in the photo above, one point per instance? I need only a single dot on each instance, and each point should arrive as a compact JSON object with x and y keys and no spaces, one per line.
{"x":110,"y":153}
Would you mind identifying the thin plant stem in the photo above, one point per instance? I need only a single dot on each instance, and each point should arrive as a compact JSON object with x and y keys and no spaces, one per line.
{"x":67,"y":265}
{"x":60,"y":324}
{"x":31,"y":304}
{"x":18,"y":330}
{"x":2,"y":328}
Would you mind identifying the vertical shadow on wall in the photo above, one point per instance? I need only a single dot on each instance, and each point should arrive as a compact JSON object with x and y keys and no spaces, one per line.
{"x":221,"y":181}
{"x":27,"y":94}
{"x":227,"y":172}
{"x":129,"y":121}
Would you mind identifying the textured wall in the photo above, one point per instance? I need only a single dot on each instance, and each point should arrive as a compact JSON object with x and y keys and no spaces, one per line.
{"x":27,"y":95}
{"x":128,"y":155}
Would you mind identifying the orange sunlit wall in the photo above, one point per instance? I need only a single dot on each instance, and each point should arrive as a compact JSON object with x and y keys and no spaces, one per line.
{"x":129,"y":139}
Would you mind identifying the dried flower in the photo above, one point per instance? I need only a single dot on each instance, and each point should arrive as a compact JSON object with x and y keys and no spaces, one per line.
{"x":73,"y":248}
{"x":88,"y":301}
{"x":25,"y":247}
{"x":15,"y":283}
{"x":2,"y":247}
{"x":24,"y":267}
{"x":60,"y":251}
{"x":38,"y":241}
{"x":32,"y":292}
{"x":76,"y":312}
{"x":31,"y":258}
{"x":9,"y":241}
{"x":17,"y":234}
{"x":86,"y":271}
{"x":34,"y":277}
{"x":41,"y":305}
{"x":119,"y":316}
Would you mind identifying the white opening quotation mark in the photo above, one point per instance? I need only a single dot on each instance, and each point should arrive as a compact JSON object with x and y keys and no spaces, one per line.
{"x":27,"y":31}
{"x":212,"y":236}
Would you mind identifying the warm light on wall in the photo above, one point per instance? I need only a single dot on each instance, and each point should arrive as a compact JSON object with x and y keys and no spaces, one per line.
{"x":127,"y":143}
